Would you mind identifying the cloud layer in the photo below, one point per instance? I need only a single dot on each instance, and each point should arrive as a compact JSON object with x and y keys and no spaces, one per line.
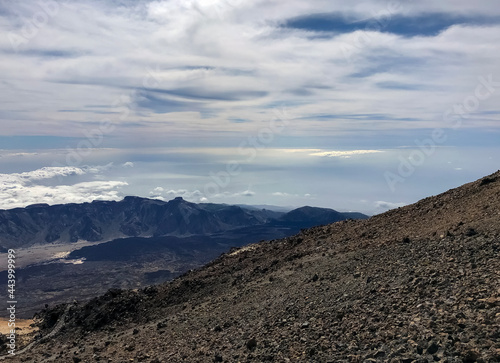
{"x":46,"y":186}
{"x":196,"y":66}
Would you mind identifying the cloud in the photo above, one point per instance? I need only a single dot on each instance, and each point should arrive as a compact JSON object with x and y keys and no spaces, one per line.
{"x":236,"y":60}
{"x":196,"y":195}
{"x":287,"y":195}
{"x":192,"y":196}
{"x":280,"y":194}
{"x":20,"y":154}
{"x":97,"y":169}
{"x":128,"y":164}
{"x":296,"y":196}
{"x":44,"y":186}
{"x":246,"y":193}
{"x":388,"y":205}
{"x":344,"y":154}
{"x":40,"y":174}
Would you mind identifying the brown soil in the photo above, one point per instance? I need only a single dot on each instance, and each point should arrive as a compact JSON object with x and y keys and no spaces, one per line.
{"x":23,"y":326}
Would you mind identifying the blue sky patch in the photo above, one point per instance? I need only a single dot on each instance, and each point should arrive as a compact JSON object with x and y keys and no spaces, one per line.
{"x":429,"y":24}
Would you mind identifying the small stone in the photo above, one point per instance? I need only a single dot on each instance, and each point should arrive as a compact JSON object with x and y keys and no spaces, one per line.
{"x":471,"y":356}
{"x":470,"y":232}
{"x":252,"y":344}
{"x":161,"y":325}
{"x":492,"y":301}
{"x":432,"y":348}
{"x":311,"y":351}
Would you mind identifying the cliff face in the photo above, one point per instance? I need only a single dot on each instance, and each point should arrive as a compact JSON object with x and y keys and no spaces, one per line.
{"x":416,"y":284}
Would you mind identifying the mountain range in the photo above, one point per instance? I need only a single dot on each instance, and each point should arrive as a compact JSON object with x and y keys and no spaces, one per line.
{"x":139,"y":217}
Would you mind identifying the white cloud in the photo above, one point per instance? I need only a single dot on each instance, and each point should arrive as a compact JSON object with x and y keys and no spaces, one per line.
{"x":388,"y":205}
{"x":97,"y":169}
{"x":39,"y":174}
{"x":284,"y":195}
{"x":192,"y":196}
{"x":228,"y":195}
{"x":246,"y":193}
{"x":22,"y":189}
{"x":232,"y":60}
{"x":128,"y":164}
{"x":156,"y":193}
{"x":344,"y":154}
{"x":21,"y":154}
{"x":280,"y":194}
{"x":196,"y":195}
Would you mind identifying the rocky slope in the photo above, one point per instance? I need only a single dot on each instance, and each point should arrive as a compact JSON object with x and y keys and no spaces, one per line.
{"x":416,"y":284}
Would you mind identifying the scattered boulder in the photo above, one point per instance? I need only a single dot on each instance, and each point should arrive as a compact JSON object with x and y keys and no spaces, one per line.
{"x":251,"y":344}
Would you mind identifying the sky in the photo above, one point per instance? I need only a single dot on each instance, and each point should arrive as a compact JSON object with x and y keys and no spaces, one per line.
{"x":356,"y":107}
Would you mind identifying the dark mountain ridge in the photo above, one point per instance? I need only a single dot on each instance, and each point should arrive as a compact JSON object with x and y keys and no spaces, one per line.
{"x":131,"y":217}
{"x":415,"y":284}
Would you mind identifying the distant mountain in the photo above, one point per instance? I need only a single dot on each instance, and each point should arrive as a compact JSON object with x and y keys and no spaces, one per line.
{"x":274,"y":208}
{"x":136,"y":217}
{"x":311,"y":216}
